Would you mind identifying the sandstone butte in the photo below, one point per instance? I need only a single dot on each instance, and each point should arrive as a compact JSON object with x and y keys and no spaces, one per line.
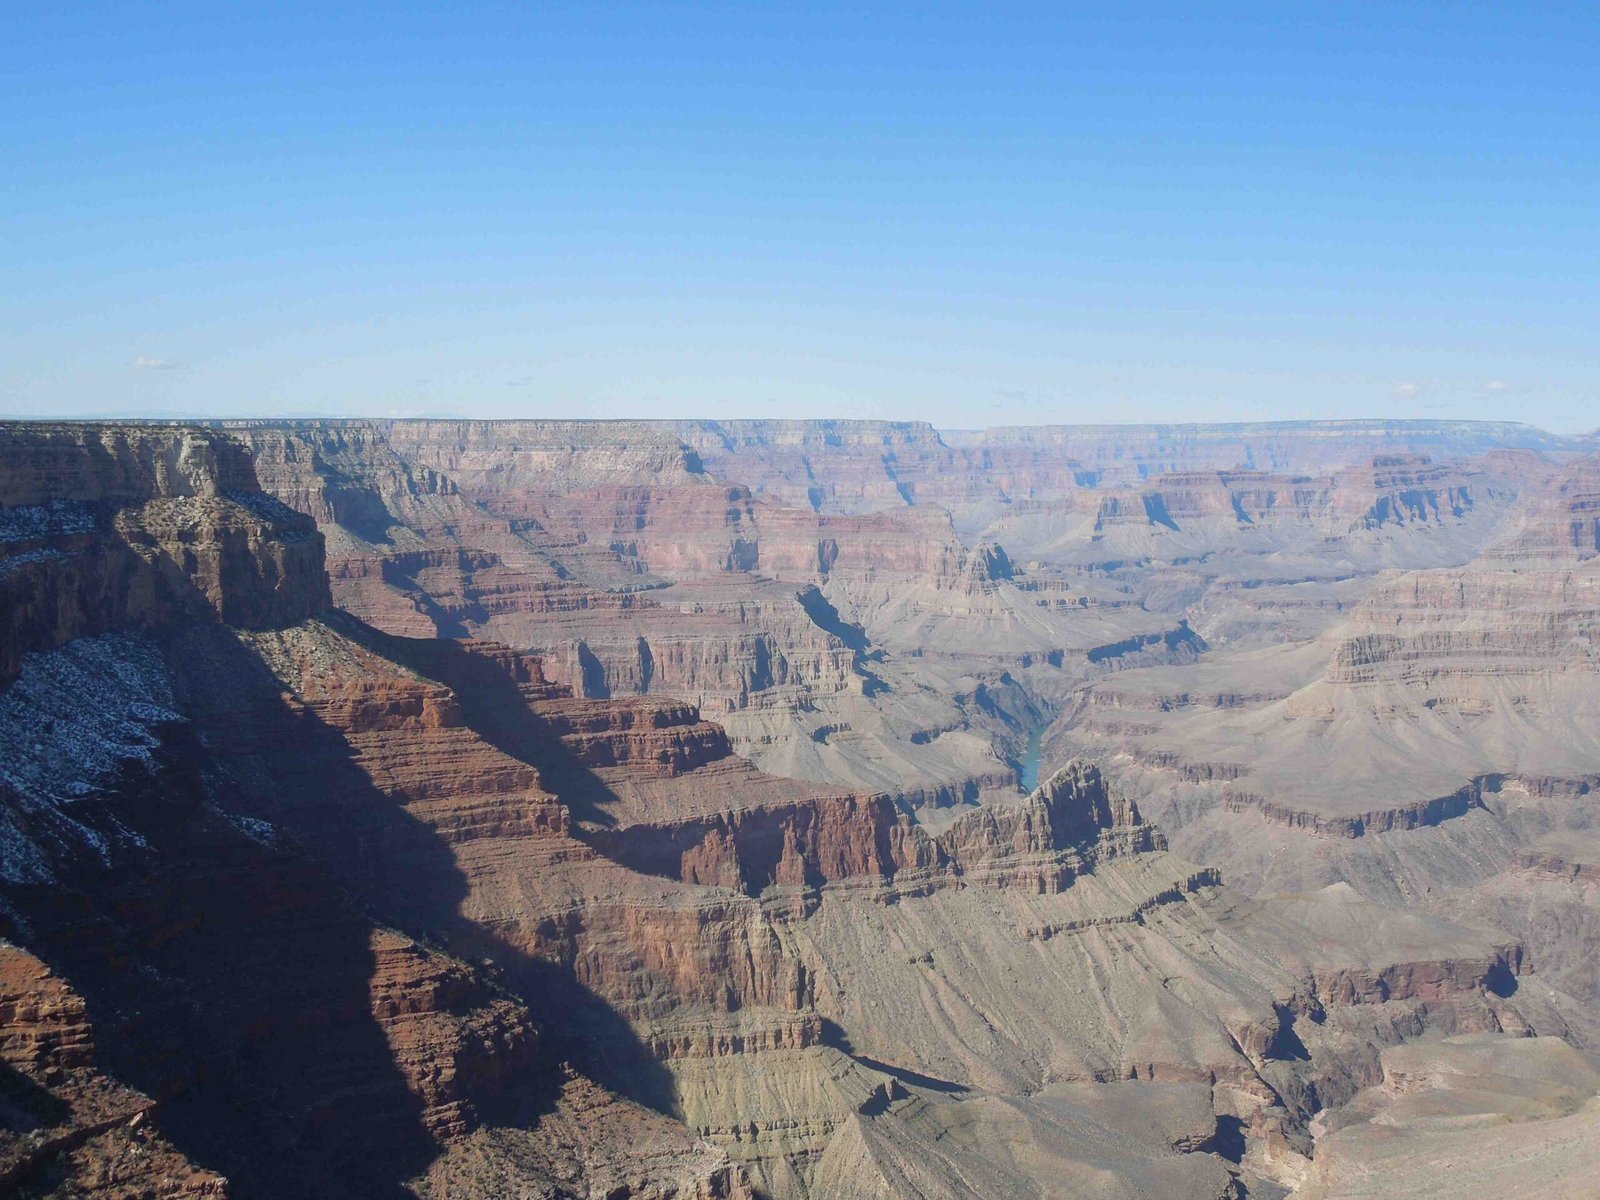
{"x":798,"y":810}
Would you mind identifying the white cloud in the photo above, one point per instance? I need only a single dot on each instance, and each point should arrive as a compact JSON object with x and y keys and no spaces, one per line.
{"x":145,"y":362}
{"x":1497,"y":385}
{"x":1407,"y":390}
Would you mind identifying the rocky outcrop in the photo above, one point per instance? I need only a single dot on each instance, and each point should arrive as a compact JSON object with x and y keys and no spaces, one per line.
{"x":1426,"y":981}
{"x":456,"y":1043}
{"x":1039,"y":846}
{"x":120,"y":465}
{"x":1554,"y":867}
{"x":1470,"y":1115}
{"x":1405,"y":489}
{"x":109,"y":527}
{"x":63,"y":1124}
{"x":1379,"y":820}
{"x":1059,"y":831}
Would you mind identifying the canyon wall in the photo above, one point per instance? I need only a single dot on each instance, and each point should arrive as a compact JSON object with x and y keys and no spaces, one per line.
{"x":107,"y":528}
{"x":295,"y":863}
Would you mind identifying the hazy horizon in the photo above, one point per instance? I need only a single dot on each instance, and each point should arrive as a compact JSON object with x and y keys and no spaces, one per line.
{"x":160,"y":418}
{"x":605,"y":211}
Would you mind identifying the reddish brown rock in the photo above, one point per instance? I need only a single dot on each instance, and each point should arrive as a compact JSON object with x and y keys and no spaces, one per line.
{"x":65,"y":1128}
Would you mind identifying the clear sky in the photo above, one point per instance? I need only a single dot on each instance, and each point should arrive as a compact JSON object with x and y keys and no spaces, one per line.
{"x":973,"y":214}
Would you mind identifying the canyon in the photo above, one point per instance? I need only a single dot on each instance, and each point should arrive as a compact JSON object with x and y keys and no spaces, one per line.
{"x":798,"y":809}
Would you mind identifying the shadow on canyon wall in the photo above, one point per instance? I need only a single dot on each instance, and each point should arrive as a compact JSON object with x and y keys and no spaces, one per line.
{"x":228,"y":968}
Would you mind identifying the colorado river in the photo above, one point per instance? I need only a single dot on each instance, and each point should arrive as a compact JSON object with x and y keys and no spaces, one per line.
{"x":1028,"y":768}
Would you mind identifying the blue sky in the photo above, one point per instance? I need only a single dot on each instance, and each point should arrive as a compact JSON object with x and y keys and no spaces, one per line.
{"x":972,"y":214}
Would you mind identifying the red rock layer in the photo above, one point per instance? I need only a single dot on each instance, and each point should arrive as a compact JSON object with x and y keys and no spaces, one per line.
{"x":63,"y":1124}
{"x":1039,"y":846}
{"x":295,"y":1042}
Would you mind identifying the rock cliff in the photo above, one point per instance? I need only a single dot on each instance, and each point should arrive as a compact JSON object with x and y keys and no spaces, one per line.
{"x":64,"y":1123}
{"x":224,"y":1014}
{"x":130,"y":527}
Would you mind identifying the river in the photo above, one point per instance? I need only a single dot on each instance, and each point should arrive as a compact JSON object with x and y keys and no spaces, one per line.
{"x":1028,"y":768}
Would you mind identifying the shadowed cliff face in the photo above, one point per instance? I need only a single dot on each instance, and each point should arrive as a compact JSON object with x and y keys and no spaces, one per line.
{"x":255,"y":935}
{"x":250,"y":922}
{"x":230,"y":982}
{"x":224,"y":975}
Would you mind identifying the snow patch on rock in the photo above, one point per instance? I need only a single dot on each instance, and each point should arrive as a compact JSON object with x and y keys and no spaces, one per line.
{"x":52,"y":518}
{"x":73,"y":721}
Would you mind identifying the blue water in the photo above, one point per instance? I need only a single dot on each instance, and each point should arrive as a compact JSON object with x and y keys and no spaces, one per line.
{"x":1028,"y":772}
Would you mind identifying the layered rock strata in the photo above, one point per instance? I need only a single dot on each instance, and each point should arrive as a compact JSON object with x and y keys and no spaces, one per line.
{"x":257,"y":1028}
{"x":129,"y":527}
{"x":533,"y":931}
